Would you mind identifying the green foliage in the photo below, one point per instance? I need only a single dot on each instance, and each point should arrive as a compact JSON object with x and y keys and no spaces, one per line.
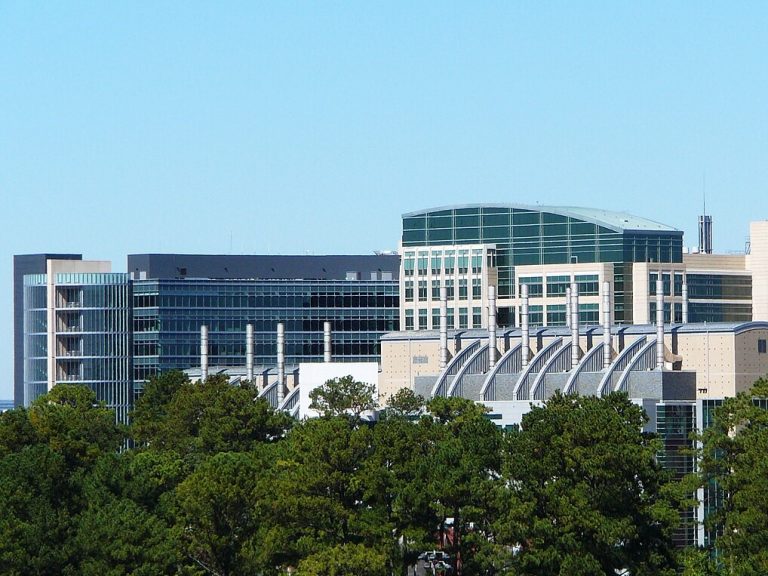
{"x":586,"y":493}
{"x":345,"y":395}
{"x":405,"y":403}
{"x":46,"y":455}
{"x":216,"y":513}
{"x":734,"y":459}
{"x":220,"y":483}
{"x":73,"y":424}
{"x":344,"y":560}
{"x":205,"y":417}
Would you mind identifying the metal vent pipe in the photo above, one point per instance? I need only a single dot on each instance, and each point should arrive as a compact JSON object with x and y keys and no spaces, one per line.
{"x":659,"y":324}
{"x":249,"y":352}
{"x":443,"y":327}
{"x":574,"y":324}
{"x":685,"y":303}
{"x":326,"y":342}
{"x":526,"y":344}
{"x":568,"y":307}
{"x":203,"y":353}
{"x":491,"y":326}
{"x":606,"y":324}
{"x":280,"y":363}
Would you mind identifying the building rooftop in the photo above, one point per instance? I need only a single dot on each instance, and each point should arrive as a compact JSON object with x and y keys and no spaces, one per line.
{"x":618,"y":221}
{"x":268,"y":267}
{"x":477,"y":333}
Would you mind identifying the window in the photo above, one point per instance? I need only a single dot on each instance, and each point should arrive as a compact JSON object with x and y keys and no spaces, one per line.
{"x":435,"y":289}
{"x":437,"y":263}
{"x":588,"y":284}
{"x":667,"y":312}
{"x":409,"y":290}
{"x":463,"y":261}
{"x":678,"y":313}
{"x":435,"y":318}
{"x":450,"y":318}
{"x":423,"y":263}
{"x":535,"y":315}
{"x":463,"y":289}
{"x":589,"y":314}
{"x":678,"y":283}
{"x":463,"y":320}
{"x":477,"y":261}
{"x":556,"y":315}
{"x":409,"y":319}
{"x":423,"y":319}
{"x":761,"y":346}
{"x":557,"y":285}
{"x":408,"y":263}
{"x":449,"y":289}
{"x":535,"y":288}
{"x":652,"y":278}
{"x":450,"y":261}
{"x":477,"y":317}
{"x":422,"y":290}
{"x":477,"y":288}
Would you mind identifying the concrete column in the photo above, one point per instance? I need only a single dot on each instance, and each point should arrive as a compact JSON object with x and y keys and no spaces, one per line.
{"x":249,"y":352}
{"x":659,"y":323}
{"x":685,"y":303}
{"x":568,"y":307}
{"x":574,"y":324}
{"x":606,"y":324}
{"x":491,"y":326}
{"x":280,"y":363}
{"x":203,"y":353}
{"x":526,"y":344}
{"x":443,"y":327}
{"x":326,"y":342}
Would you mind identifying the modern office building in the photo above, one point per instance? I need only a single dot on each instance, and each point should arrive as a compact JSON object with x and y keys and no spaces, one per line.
{"x":468,"y":248}
{"x":81,"y":323}
{"x":77,"y":329}
{"x":175,"y":294}
{"x":23,"y":265}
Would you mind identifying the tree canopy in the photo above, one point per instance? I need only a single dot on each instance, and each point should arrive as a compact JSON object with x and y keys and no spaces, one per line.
{"x":217,"y":482}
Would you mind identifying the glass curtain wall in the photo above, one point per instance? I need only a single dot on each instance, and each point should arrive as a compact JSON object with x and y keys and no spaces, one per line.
{"x":531,"y":237}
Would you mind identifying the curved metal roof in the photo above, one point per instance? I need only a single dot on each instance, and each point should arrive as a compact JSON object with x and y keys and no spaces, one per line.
{"x":618,"y":221}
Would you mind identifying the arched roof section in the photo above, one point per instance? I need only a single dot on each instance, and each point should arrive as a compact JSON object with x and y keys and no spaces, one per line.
{"x":616,"y":221}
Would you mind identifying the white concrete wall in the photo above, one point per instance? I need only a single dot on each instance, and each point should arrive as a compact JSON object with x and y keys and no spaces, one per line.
{"x":315,"y":374}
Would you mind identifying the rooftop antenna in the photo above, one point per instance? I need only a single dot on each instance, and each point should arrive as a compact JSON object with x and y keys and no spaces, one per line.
{"x":705,"y":222}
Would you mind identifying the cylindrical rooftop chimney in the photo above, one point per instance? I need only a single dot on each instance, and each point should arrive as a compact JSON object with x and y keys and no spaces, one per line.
{"x":491,"y":326}
{"x":568,"y":307}
{"x":280,"y":363}
{"x":685,"y":303}
{"x":606,"y":324}
{"x":525,"y":336}
{"x":443,"y":327}
{"x":249,"y":352}
{"x":326,"y":342}
{"x":574,"y":324}
{"x":659,"y":323}
{"x":203,"y":353}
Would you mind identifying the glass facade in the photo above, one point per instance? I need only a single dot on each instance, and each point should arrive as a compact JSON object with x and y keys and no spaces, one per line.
{"x":719,"y":297}
{"x":167,"y":315}
{"x":90,"y":338}
{"x":534,"y":237}
{"x":675,"y":426}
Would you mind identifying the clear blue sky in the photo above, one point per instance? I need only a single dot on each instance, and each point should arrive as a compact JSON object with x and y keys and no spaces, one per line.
{"x":295,"y":127}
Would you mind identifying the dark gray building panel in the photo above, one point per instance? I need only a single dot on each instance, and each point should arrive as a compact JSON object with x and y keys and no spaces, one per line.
{"x":25,"y":264}
{"x":168,"y":266}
